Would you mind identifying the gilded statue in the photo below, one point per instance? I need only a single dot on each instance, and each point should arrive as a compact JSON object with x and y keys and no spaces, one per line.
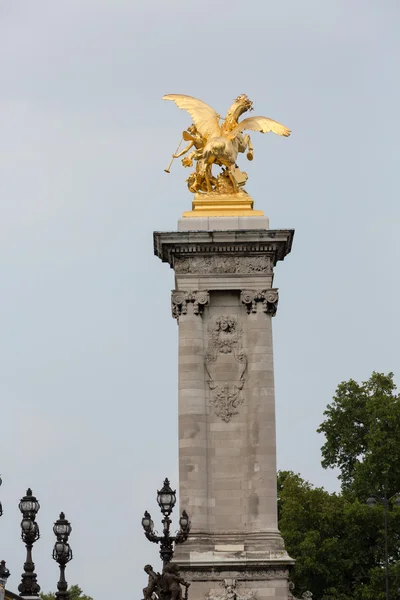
{"x":215,"y":141}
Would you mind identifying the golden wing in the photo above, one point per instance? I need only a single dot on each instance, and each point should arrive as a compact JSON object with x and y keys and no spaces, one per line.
{"x":262,"y":124}
{"x":204,"y":117}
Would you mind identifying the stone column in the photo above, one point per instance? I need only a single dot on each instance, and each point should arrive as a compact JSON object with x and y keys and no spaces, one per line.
{"x":224,"y":301}
{"x":192,"y":407}
{"x":261,"y":401}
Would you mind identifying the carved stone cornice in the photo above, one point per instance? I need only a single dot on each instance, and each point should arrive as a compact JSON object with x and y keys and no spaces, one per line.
{"x":180,"y":299}
{"x":269,"y":299}
{"x":252,"y":242}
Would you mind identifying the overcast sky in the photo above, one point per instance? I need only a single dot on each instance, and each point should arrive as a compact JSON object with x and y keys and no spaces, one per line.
{"x":88,"y":349}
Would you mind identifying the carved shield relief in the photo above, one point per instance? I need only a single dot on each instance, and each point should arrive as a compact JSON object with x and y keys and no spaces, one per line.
{"x":232,"y":591}
{"x":226,"y":365}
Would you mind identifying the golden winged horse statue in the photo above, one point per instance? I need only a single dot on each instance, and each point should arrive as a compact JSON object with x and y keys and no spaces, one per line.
{"x":219,"y":144}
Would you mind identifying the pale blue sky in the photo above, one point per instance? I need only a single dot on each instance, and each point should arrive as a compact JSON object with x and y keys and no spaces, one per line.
{"x":88,"y":349}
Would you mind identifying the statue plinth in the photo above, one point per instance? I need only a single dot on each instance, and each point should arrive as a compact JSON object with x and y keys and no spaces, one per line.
{"x":222,"y":205}
{"x":224,"y":302}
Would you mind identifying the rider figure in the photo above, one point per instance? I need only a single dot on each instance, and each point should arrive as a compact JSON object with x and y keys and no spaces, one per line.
{"x":195,"y":139}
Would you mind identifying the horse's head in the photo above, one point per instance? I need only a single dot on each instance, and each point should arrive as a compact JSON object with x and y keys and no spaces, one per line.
{"x":241,"y":105}
{"x":244,"y":101}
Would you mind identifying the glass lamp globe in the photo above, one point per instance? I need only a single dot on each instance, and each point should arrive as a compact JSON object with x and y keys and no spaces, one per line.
{"x":61,"y":549}
{"x":184,"y":520}
{"x":29,"y":504}
{"x":166,"y":498}
{"x":62,"y":528}
{"x":147,"y":523}
{"x":30,"y":530}
{"x":62,"y":552}
{"x":27,"y":526}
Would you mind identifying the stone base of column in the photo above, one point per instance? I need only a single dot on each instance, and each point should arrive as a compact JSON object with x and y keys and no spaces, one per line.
{"x":238,"y":579}
{"x":233,"y":223}
{"x":215,"y":563}
{"x":220,"y":546}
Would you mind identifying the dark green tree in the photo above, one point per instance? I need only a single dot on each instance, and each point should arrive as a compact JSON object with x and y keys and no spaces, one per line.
{"x":362,"y":431}
{"x":337,"y":542}
{"x":75,"y":593}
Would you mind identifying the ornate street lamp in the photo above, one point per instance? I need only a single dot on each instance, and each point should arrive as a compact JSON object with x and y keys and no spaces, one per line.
{"x":166,"y":498}
{"x":62,"y":553}
{"x":372,"y":502}
{"x":29,"y":507}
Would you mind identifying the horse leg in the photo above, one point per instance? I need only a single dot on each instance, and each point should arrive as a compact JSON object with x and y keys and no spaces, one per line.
{"x":249,"y":146}
{"x":207,"y":175}
{"x":231,"y":176}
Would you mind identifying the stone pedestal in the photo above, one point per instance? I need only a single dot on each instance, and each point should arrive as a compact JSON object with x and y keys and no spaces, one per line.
{"x":224,"y":301}
{"x":240,"y":204}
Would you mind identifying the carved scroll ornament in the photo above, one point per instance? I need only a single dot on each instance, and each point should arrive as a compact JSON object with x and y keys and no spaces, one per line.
{"x":268,"y":299}
{"x":180,"y":300}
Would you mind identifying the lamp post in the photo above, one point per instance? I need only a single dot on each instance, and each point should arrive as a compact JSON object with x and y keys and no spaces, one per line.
{"x":29,"y":507}
{"x":62,"y":553}
{"x":372,"y":502}
{"x":166,"y":498}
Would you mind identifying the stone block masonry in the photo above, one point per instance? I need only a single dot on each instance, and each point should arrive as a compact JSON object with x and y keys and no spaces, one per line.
{"x":224,"y":302}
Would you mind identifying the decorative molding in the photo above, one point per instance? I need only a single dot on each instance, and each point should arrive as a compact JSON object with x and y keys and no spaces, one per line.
{"x":216,"y":574}
{"x":208,"y":265}
{"x":269,"y":299}
{"x":254,"y":242}
{"x":267,"y":574}
{"x":225,"y":337}
{"x":180,"y":299}
{"x":197,"y":575}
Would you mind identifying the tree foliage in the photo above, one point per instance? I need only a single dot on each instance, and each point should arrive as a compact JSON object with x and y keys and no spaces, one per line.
{"x":362,"y":427}
{"x":337,"y":541}
{"x":75,"y":593}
